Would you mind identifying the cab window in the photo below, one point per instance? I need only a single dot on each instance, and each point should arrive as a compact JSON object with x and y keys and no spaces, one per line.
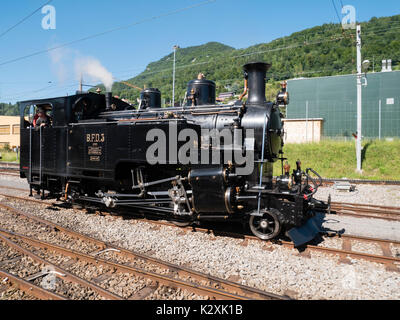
{"x":37,"y":116}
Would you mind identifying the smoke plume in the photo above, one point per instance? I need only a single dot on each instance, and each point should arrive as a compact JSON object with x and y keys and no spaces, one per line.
{"x":88,"y":68}
{"x":92,"y":68}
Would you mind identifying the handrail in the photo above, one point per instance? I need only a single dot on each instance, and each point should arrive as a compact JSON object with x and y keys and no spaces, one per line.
{"x":262,"y":162}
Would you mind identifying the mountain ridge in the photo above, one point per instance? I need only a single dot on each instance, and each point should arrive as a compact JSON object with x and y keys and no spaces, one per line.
{"x":318,"y":51}
{"x":323,"y":50}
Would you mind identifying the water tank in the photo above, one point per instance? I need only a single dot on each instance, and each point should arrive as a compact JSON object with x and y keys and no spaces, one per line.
{"x":200,"y":92}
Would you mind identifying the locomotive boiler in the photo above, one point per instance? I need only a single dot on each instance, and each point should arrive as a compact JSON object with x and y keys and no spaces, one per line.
{"x":199,"y":162}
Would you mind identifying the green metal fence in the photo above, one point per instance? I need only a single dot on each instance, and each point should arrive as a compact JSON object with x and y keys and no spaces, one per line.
{"x":335,"y":100}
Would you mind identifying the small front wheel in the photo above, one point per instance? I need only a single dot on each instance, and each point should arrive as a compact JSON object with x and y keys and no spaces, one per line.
{"x":266,"y":227}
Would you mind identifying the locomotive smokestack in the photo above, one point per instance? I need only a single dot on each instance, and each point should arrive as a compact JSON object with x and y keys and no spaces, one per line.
{"x":256,"y":73}
{"x":108,"y":96}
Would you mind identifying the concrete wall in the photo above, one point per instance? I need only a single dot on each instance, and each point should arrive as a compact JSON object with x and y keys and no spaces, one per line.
{"x":302,"y":130}
{"x":9,"y":131}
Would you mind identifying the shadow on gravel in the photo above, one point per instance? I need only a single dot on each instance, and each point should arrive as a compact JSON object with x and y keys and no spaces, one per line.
{"x":322,"y":219}
{"x":53,"y":208}
{"x":61,"y":205}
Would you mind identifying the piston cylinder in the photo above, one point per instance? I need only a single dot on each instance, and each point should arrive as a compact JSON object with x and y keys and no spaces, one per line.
{"x":210,"y":191}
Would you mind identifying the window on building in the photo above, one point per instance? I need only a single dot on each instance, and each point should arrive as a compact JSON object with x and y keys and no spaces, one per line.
{"x":4,"y":130}
{"x":15,"y":129}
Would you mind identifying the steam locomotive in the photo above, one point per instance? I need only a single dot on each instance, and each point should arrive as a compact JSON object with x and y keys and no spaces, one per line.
{"x":200,"y":161}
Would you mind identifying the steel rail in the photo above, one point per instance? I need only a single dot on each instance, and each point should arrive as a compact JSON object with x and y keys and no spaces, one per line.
{"x":30,"y":288}
{"x":194,"y":228}
{"x":236,"y":290}
{"x":367,"y":207}
{"x":366,"y":211}
{"x":9,"y":169}
{"x":8,"y":174}
{"x":373,"y":206}
{"x":13,"y":188}
{"x":387,"y":260}
{"x":161,"y":279}
{"x":355,"y":181}
{"x":346,"y":209}
{"x":358,"y":255}
{"x":390,"y":213}
{"x":67,"y":276}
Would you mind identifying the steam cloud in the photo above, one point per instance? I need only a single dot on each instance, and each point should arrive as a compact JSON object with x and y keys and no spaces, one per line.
{"x":87,"y":67}
{"x":92,"y":68}
{"x":59,"y":65}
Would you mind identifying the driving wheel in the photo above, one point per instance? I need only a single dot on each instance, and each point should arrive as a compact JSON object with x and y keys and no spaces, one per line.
{"x":266,"y":227}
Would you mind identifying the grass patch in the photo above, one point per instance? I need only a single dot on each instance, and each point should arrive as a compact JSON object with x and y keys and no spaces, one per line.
{"x":337,"y":159}
{"x":331,"y":159}
{"x":8,"y":156}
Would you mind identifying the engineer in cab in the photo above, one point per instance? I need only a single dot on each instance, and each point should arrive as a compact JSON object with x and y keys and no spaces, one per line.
{"x":41,"y":118}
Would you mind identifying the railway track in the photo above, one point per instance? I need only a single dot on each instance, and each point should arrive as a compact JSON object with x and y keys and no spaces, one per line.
{"x":29,"y":288}
{"x":329,"y":182}
{"x":68,"y":282}
{"x":367,"y":211}
{"x":347,"y":242}
{"x":389,"y":213}
{"x":9,"y":169}
{"x":8,"y":172}
{"x":9,"y":164}
{"x":346,"y":252}
{"x":175,"y":276}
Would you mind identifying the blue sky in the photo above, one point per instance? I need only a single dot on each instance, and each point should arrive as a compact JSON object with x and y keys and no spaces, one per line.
{"x":127,"y":52}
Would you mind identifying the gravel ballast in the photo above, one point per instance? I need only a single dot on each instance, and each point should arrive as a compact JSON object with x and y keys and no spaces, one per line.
{"x":125,"y":285}
{"x":278,"y":270}
{"x":363,"y":194}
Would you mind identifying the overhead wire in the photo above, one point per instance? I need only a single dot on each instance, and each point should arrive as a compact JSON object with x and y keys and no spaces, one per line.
{"x":337,"y":13}
{"x":55,"y":87}
{"x":242,"y":55}
{"x":24,"y":19}
{"x":370,"y":31}
{"x":107,"y":32}
{"x":261,"y":52}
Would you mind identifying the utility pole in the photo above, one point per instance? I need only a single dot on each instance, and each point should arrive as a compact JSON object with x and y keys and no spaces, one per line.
{"x":81,"y":84}
{"x":373,"y":64}
{"x":173,"y":76}
{"x":359,"y":100}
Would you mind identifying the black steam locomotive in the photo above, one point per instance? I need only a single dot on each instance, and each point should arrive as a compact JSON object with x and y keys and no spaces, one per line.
{"x":97,"y":149}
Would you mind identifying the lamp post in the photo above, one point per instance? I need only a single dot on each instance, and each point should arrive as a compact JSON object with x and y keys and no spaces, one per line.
{"x":359,"y":101}
{"x":173,"y":76}
{"x":362,"y":66}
